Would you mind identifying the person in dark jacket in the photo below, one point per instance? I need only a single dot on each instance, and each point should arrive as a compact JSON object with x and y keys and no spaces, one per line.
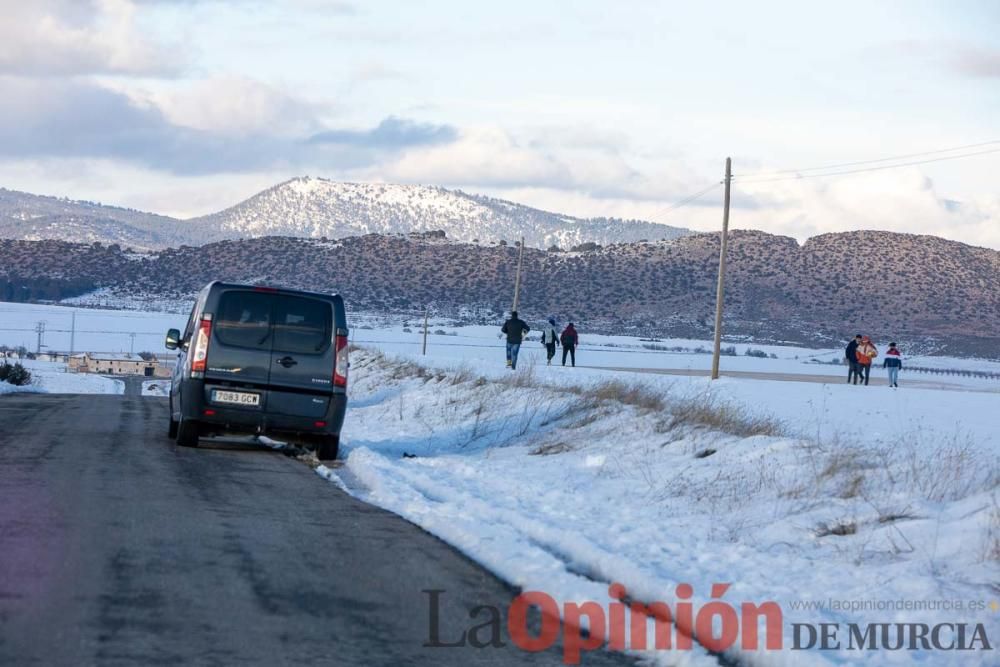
{"x":851,"y":353}
{"x":569,"y":339}
{"x":515,"y":328}
{"x":893,"y":362}
{"x":550,"y":339}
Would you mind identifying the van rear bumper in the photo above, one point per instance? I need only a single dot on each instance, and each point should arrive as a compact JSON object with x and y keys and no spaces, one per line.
{"x":249,"y":420}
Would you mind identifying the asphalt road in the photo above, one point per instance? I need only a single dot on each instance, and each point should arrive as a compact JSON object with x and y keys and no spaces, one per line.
{"x":119,"y":548}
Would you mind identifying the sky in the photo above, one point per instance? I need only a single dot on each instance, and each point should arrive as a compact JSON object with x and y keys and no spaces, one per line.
{"x":590,"y":108}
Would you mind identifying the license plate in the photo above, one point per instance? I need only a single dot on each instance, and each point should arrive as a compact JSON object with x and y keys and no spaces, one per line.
{"x":235,"y":397}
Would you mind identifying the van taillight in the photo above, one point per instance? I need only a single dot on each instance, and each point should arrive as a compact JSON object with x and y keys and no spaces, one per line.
{"x":199,"y":357}
{"x":340,"y":363}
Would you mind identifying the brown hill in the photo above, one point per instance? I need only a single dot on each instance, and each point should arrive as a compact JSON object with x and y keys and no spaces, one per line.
{"x":886,"y":284}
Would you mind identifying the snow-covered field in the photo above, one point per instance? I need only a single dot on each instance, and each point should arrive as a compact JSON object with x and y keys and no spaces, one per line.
{"x":842,"y":504}
{"x":855,"y":496}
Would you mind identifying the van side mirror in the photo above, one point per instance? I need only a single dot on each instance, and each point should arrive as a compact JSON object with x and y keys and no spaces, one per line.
{"x":173,"y":339}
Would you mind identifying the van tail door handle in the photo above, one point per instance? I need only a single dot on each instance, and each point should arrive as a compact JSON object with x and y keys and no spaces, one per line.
{"x":287,"y":362}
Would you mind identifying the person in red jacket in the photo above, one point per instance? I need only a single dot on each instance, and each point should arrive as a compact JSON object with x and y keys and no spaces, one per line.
{"x":569,"y":340}
{"x":893,"y":362}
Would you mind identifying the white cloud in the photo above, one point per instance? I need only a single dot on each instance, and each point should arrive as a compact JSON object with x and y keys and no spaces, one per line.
{"x":484,"y":156}
{"x":900,"y":201}
{"x":491,"y":157}
{"x":904,"y":201}
{"x":234,"y":105}
{"x":66,"y":38}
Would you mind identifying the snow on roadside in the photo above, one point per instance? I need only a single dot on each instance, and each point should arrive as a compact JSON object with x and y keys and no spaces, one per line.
{"x":156,"y":387}
{"x":566,"y":489}
{"x":54,"y":378}
{"x":8,"y":388}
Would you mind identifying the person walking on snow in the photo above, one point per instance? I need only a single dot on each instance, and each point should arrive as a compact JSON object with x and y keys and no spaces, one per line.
{"x":866,"y":354}
{"x":550,"y":339}
{"x":893,"y":362}
{"x":515,"y":328}
{"x":569,"y":339}
{"x":851,"y":353}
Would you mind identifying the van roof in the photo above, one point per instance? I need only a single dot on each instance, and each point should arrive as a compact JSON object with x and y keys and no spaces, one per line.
{"x":337,"y":301}
{"x":277,"y":289}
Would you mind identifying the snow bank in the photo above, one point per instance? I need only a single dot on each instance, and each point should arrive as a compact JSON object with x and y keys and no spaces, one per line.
{"x":54,"y":378}
{"x":567,"y":485}
{"x":8,"y":388}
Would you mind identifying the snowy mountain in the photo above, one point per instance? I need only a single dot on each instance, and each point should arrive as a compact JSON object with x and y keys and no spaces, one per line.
{"x":316,"y":208}
{"x":31,"y":217}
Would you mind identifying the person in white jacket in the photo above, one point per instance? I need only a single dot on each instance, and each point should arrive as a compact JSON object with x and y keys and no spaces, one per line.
{"x":550,"y":339}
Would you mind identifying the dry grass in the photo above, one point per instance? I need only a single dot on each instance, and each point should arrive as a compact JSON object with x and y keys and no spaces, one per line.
{"x":640,"y":396}
{"x":463,"y":374}
{"x":522,"y":378}
{"x":950,"y":471}
{"x":709,"y":413}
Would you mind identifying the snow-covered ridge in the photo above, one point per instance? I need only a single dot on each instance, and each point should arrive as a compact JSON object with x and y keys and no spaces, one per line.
{"x":318,"y":208}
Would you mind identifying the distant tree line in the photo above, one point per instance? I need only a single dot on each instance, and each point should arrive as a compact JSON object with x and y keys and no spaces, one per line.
{"x":13,"y":288}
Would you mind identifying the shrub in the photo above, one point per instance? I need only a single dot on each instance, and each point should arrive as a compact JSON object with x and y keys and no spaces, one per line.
{"x":640,"y":396}
{"x":15,"y":374}
{"x":710,"y":413}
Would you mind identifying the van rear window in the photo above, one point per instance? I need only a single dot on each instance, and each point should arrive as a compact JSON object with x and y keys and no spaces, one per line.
{"x":244,"y":319}
{"x":302,"y":325}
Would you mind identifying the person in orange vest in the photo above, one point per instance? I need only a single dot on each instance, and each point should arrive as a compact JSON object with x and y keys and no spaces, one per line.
{"x":866,"y":353}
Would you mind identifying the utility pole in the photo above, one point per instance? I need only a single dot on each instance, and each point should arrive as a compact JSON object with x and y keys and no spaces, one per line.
{"x":721,"y":289}
{"x":425,"y":331}
{"x":40,"y":330}
{"x":131,"y":343}
{"x":72,"y":334}
{"x":517,"y":280}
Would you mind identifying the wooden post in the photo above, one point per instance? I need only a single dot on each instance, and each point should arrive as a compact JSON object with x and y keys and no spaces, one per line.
{"x":425,"y":333}
{"x":721,"y":288}
{"x":517,"y":280}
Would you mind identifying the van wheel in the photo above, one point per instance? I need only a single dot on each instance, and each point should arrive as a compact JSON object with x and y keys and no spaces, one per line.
{"x":172,"y":429}
{"x":187,"y":433}
{"x":327,"y":447}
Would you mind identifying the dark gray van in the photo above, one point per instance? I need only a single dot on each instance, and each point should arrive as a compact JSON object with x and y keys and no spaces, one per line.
{"x":261,"y":360}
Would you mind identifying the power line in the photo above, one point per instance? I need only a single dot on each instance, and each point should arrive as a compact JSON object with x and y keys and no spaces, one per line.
{"x":798,"y":176}
{"x":687,"y":200}
{"x":882,"y":159}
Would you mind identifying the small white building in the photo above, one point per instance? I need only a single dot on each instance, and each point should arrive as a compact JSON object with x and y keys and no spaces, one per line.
{"x":107,"y":363}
